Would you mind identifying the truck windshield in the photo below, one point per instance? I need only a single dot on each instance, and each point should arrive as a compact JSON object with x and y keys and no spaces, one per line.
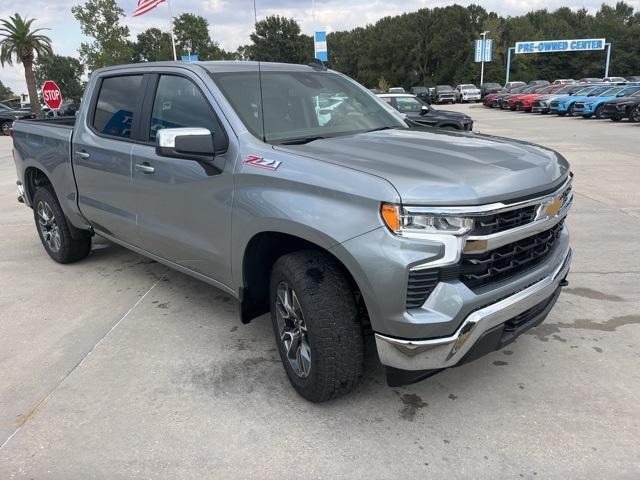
{"x":300,"y":106}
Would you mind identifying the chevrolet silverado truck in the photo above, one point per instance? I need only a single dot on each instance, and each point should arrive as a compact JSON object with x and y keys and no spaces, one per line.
{"x":346,"y":225}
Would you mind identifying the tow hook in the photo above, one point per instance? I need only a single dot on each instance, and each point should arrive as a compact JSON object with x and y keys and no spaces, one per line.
{"x":564,"y":282}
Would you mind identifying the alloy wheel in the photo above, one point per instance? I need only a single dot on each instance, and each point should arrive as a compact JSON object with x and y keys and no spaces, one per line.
{"x":292,"y":330}
{"x":48,"y":226}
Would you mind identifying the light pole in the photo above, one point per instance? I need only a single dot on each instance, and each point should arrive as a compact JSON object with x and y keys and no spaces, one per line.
{"x":482,"y":56}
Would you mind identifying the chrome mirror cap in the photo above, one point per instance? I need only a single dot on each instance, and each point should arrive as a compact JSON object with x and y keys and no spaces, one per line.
{"x":166,"y":138}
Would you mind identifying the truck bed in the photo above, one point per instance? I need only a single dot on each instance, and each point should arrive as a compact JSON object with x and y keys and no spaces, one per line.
{"x":45,"y":144}
{"x":65,"y":122}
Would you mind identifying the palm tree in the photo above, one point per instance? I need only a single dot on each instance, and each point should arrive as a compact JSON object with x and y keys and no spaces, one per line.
{"x":17,"y":38}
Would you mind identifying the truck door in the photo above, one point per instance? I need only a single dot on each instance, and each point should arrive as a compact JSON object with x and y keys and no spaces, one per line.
{"x":102,"y":146}
{"x":184,"y":206}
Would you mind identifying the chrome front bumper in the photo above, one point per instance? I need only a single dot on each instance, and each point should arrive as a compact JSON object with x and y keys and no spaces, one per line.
{"x":439,"y":353}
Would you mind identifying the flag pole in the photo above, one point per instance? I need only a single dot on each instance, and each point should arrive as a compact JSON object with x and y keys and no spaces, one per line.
{"x":173,"y":38}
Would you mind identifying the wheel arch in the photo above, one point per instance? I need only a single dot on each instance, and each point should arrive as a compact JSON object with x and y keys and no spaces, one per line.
{"x":34,"y":178}
{"x":259,"y":256}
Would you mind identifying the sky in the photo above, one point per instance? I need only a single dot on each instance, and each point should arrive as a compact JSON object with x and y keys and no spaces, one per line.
{"x":231,"y":21}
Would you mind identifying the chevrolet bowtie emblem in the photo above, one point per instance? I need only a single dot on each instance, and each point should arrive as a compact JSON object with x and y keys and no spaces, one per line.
{"x":553,"y":208}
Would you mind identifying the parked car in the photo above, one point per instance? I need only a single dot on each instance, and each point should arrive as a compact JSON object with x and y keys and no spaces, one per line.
{"x":419,"y":112}
{"x":524,"y":102}
{"x":397,"y":90}
{"x":503,"y":101}
{"x":614,"y":79}
{"x":422,"y":93}
{"x":563,"y":81}
{"x":595,"y":106}
{"x":623,"y":107}
{"x":541,"y":103}
{"x":488,"y":88}
{"x":566,"y":105}
{"x":538,"y":82}
{"x":514,"y":84}
{"x":444,"y":94}
{"x":493,"y":100}
{"x":590,"y":80}
{"x":446,"y":245}
{"x":467,"y":92}
{"x":8,"y":116}
{"x":633,"y":78}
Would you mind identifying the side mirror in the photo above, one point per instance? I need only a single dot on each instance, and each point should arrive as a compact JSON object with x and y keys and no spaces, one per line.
{"x":424,"y":109}
{"x":191,"y":143}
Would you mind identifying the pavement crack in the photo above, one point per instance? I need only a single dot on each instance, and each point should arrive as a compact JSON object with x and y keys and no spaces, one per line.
{"x":25,"y":418}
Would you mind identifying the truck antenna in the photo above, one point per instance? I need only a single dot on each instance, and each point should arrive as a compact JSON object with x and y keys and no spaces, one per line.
{"x":255,"y":20}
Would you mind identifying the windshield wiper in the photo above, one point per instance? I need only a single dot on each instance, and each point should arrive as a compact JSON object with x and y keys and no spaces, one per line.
{"x":379,"y":128}
{"x":301,"y":141}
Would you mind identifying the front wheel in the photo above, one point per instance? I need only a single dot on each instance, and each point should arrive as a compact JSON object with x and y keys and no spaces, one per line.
{"x":54,"y":230}
{"x":571,"y":110}
{"x":599,"y":112}
{"x":634,"y":116}
{"x":316,"y":325}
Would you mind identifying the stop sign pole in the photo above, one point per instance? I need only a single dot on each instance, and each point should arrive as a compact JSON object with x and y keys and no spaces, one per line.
{"x":51,"y":94}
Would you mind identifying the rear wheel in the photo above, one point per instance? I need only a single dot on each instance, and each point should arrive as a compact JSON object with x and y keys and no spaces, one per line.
{"x":5,"y":127}
{"x":634,"y":116}
{"x":54,"y":231}
{"x":316,"y":325}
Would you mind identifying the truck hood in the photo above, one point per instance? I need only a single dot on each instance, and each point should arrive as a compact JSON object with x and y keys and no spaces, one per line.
{"x":431,"y":166}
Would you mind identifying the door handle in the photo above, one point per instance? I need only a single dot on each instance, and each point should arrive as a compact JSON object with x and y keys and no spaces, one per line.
{"x":82,"y":154}
{"x":145,"y":168}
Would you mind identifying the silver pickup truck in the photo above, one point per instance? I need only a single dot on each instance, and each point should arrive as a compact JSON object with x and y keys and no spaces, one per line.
{"x":297,"y":191}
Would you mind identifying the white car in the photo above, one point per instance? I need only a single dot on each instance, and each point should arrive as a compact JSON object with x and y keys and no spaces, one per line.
{"x":467,"y":92}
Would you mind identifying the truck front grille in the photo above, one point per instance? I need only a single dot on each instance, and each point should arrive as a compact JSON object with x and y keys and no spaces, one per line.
{"x":504,"y":221}
{"x":477,"y":270}
{"x":420,"y":285}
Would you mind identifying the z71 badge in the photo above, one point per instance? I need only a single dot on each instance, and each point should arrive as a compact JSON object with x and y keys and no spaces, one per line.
{"x":256,"y":161}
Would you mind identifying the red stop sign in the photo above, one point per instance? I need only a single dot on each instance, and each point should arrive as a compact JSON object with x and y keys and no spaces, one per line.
{"x":51,"y":94}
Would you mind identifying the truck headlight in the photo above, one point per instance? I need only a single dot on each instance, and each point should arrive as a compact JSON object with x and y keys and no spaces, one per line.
{"x":406,"y":223}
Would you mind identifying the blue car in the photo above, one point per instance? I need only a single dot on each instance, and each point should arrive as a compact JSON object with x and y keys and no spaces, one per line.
{"x":566,"y":105}
{"x":595,"y":106}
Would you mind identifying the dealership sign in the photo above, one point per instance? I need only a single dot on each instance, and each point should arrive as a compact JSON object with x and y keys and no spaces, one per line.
{"x":320,"y":46}
{"x":556,"y":46}
{"x":483,"y":51}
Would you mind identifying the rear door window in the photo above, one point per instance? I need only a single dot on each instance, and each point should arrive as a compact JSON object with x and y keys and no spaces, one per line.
{"x":116,"y":105}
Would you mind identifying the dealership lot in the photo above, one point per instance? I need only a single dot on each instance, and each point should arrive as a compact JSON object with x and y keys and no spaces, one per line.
{"x":117,"y":367}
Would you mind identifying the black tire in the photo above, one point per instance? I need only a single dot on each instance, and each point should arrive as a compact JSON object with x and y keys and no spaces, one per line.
{"x":55,"y":233}
{"x":332,"y":331}
{"x":598,"y":112}
{"x":634,"y":115}
{"x":5,"y":126}
{"x":571,"y":110}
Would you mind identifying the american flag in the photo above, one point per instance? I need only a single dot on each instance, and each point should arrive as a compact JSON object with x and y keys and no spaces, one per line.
{"x":145,"y":6}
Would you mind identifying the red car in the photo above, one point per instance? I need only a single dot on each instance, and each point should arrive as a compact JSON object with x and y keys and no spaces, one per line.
{"x":513,"y":100}
{"x":525,"y":101}
{"x":491,"y":100}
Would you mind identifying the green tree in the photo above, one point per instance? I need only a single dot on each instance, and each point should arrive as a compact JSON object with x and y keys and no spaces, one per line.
{"x":100,"y":19}
{"x":5,"y":92}
{"x":65,"y":71}
{"x":278,"y":39}
{"x":192,"y":36}
{"x":25,"y":43}
{"x":153,"y":45}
